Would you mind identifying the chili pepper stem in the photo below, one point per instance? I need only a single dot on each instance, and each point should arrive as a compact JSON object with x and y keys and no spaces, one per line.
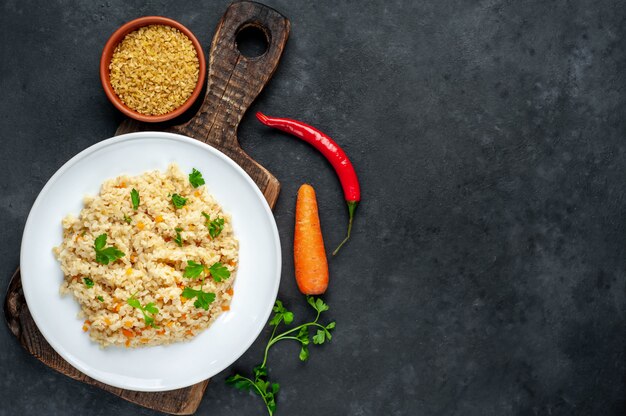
{"x":351,"y":208}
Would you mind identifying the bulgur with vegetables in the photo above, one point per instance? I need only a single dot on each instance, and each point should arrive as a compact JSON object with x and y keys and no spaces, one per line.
{"x":146,"y":270}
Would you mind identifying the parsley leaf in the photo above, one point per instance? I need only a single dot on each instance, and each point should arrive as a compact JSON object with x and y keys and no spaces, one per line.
{"x":100,"y":298}
{"x":259,"y":386}
{"x":195,"y":178}
{"x":260,"y":371}
{"x":149,"y":308}
{"x":178,"y":239}
{"x":106,"y":255}
{"x":132,"y":301}
{"x":215,"y":227}
{"x":282,"y":314}
{"x":193,"y":270}
{"x":319,"y":337}
{"x":134,"y":197}
{"x":88,"y":282}
{"x":219,"y":272}
{"x":100,"y":242}
{"x":178,"y":201}
{"x":203,"y":299}
{"x":240,"y":382}
{"x":128,"y":219}
{"x":304,"y":353}
{"x":317,"y":304}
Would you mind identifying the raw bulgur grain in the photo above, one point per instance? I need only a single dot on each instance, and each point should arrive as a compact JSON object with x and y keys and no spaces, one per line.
{"x":154,"y":69}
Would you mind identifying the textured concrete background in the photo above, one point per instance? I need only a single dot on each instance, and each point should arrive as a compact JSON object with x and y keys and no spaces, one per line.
{"x":486,"y":275}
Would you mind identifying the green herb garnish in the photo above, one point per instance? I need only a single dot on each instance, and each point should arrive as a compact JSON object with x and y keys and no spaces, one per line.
{"x":134,"y":197}
{"x":106,"y":255}
{"x":100,"y":298}
{"x":203,"y":299}
{"x":88,"y":281}
{"x":178,"y":239}
{"x":193,"y":270}
{"x":215,"y":227}
{"x":260,"y":385}
{"x":195,"y":178}
{"x":128,"y":219}
{"x":178,"y":201}
{"x":145,"y":310}
{"x":219,"y":272}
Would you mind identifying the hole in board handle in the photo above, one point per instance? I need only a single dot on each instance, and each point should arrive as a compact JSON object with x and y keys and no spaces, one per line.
{"x":252,"y":40}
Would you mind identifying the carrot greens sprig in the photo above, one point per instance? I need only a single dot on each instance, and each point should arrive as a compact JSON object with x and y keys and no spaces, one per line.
{"x":260,"y":385}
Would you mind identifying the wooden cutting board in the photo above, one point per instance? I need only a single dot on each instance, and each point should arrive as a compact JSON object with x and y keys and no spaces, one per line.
{"x":234,"y":81}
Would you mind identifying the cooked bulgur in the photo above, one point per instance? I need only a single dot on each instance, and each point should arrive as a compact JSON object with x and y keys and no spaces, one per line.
{"x":158,"y":241}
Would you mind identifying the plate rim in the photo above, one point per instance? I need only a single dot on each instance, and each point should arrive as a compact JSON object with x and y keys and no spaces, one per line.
{"x":112,"y":141}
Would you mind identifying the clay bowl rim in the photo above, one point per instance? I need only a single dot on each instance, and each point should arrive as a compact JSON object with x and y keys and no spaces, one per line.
{"x":107,"y":54}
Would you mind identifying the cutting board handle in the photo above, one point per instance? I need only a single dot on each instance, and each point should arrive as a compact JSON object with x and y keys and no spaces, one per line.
{"x":235,"y":80}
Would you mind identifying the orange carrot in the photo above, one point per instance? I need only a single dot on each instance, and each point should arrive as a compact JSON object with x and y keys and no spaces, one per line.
{"x":309,"y":254}
{"x":127,"y":333}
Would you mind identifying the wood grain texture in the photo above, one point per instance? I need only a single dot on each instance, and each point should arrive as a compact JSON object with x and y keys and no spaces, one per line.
{"x":234,"y":81}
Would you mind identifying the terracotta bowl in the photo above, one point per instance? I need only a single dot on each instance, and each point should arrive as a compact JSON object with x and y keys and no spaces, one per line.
{"x":117,"y":37}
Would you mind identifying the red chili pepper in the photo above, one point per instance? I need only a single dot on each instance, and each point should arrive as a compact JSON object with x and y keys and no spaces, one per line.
{"x":333,"y":153}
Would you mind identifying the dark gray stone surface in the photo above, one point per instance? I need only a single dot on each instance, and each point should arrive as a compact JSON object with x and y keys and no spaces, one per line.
{"x":486,"y":272}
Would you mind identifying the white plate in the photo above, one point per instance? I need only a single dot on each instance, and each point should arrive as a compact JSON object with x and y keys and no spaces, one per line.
{"x":163,"y":367}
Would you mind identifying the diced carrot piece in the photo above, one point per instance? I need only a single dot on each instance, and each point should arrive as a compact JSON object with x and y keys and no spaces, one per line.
{"x":230,"y":291}
{"x":127,"y":333}
{"x":144,"y":340}
{"x":140,"y":225}
{"x":87,"y":322}
{"x":189,"y":332}
{"x":161,"y":332}
{"x":107,"y":321}
{"x":225,"y":307}
{"x":169,"y":324}
{"x":127,"y":343}
{"x":85,"y":328}
{"x":128,"y":324}
{"x":197,"y":193}
{"x":158,"y":218}
{"x":117,"y":307}
{"x":184,"y":316}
